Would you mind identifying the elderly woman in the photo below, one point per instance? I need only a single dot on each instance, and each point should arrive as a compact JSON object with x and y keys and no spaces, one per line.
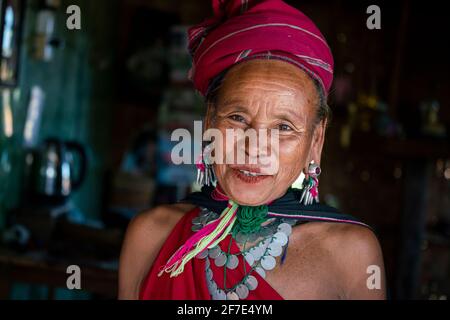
{"x":250,"y":234}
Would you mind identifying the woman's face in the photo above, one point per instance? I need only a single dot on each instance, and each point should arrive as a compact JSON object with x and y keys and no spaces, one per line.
{"x":266,"y":94}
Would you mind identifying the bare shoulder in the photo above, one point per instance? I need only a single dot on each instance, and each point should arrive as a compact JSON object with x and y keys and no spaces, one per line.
{"x":339,"y":238}
{"x":348,"y":239}
{"x":146,"y":234}
{"x":162,"y":217}
{"x":348,"y":252}
{"x":359,"y":258}
{"x":152,"y":227}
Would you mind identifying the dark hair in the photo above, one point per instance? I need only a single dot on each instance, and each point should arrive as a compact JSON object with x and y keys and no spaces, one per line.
{"x":323,"y":110}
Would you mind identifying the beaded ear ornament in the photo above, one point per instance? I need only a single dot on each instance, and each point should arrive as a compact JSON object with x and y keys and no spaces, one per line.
{"x":205,"y":172}
{"x":311,"y":185}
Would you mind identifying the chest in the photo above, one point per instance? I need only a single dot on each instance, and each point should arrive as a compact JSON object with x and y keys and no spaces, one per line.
{"x":308,"y":271}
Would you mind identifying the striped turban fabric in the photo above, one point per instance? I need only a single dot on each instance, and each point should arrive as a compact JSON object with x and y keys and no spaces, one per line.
{"x":250,"y":29}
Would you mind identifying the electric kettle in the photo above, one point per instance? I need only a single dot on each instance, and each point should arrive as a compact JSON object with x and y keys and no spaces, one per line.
{"x":57,"y":168}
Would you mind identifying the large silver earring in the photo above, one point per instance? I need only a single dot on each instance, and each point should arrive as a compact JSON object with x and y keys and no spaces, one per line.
{"x":205,"y":172}
{"x":311,"y":185}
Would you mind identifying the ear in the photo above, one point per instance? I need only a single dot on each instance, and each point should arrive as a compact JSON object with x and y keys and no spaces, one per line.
{"x":317,"y":142}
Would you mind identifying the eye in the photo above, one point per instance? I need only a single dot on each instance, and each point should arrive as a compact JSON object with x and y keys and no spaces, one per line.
{"x":284,"y":127}
{"x":237,"y":118}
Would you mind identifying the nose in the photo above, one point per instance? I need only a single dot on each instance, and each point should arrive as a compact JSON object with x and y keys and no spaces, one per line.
{"x":259,"y":146}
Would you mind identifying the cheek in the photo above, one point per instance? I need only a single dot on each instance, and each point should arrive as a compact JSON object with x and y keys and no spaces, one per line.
{"x":223,"y":146}
{"x":293,"y":156}
{"x":230,"y":148}
{"x":220,"y":170}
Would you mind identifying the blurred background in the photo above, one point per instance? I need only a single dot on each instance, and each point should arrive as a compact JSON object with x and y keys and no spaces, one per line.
{"x":86,"y":117}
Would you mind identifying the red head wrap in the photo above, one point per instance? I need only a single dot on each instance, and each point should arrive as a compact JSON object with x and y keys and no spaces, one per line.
{"x":249,"y":29}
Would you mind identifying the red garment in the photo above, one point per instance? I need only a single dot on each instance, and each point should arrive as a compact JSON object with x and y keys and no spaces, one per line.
{"x":191,"y":284}
{"x":251,"y":29}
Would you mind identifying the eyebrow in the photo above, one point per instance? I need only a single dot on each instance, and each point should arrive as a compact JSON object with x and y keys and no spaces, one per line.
{"x":227,"y":102}
{"x":236,"y":104}
{"x":280,"y":113}
{"x":283,"y":111}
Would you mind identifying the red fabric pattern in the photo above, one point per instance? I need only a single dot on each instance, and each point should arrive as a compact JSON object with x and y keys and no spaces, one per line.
{"x":251,"y":29}
{"x":191,"y":284}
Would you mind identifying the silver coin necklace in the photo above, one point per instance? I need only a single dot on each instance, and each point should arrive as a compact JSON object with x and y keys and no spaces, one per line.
{"x":261,"y":257}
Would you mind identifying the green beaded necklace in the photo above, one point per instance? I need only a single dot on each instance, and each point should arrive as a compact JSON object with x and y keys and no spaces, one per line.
{"x":249,"y":219}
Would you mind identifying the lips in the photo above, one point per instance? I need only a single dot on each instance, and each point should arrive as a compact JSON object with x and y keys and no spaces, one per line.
{"x":251,"y":170}
{"x":249,"y":174}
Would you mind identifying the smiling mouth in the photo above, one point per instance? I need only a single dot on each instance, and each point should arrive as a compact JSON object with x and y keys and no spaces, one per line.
{"x":250,"y":176}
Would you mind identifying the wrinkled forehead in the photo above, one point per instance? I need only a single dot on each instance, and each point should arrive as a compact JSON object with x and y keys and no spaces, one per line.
{"x":267,"y":81}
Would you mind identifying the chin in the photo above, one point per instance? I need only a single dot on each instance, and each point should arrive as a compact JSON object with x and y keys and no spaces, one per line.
{"x":250,"y":193}
{"x":248,"y":199}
